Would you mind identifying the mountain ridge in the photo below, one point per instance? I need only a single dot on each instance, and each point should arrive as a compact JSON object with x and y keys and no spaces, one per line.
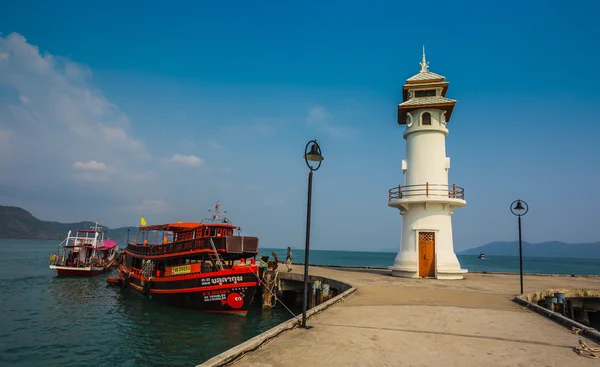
{"x":18,"y":223}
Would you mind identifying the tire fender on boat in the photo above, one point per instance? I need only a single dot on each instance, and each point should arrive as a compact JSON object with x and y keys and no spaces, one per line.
{"x":146,"y":290}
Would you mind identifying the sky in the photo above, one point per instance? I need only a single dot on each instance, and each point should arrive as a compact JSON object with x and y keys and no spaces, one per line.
{"x":156,"y":109}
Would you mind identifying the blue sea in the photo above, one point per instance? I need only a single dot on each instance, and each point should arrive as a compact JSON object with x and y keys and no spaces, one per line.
{"x":502,"y":264}
{"x":53,"y":321}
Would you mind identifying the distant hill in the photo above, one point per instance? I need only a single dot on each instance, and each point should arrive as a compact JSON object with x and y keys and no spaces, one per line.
{"x":544,"y":249}
{"x":16,"y":223}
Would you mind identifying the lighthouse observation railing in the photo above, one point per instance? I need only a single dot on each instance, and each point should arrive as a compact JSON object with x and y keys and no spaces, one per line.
{"x":428,"y":190}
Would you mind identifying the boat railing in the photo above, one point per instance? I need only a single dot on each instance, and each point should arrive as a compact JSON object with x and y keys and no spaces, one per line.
{"x":175,"y":247}
{"x":227,"y":244}
{"x":58,"y":259}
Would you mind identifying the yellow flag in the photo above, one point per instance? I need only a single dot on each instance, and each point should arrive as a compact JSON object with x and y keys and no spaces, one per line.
{"x":142,"y":221}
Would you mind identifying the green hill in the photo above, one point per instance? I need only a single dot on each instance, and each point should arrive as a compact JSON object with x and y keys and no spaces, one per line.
{"x":16,"y":222}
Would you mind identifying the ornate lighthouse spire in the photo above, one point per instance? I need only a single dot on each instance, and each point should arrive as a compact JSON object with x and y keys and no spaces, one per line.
{"x":424,"y":63}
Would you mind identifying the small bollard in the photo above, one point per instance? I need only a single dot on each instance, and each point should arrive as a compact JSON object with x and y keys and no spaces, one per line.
{"x":550,"y":301}
{"x":561,"y":300}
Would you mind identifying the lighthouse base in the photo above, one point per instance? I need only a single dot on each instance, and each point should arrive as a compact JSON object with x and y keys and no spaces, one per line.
{"x":447,"y":267}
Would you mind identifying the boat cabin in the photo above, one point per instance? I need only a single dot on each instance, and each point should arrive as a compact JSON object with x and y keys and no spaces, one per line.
{"x":86,"y":248}
{"x":191,"y":247}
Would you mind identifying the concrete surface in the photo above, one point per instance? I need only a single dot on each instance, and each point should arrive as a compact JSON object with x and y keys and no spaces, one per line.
{"x":393,"y":321}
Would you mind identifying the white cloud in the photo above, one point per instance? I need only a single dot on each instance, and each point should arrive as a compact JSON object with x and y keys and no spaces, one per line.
{"x":91,"y":166}
{"x":63,"y":126}
{"x":58,"y":98}
{"x":320,"y":118}
{"x":92,"y":171}
{"x":187,"y":160}
{"x":59,"y":134}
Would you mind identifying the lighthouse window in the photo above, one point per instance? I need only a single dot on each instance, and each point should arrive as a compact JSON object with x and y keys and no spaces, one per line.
{"x":426,"y":118}
{"x":425,"y":93}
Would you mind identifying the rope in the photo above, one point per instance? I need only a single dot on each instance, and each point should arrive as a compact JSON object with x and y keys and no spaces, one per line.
{"x":583,"y":349}
{"x":275,"y":295}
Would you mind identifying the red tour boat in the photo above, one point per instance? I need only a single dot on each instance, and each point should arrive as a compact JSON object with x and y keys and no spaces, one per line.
{"x":197,"y":265}
{"x":87,"y":253}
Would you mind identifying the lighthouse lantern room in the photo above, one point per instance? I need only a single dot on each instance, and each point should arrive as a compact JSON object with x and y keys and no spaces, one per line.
{"x":426,"y":200}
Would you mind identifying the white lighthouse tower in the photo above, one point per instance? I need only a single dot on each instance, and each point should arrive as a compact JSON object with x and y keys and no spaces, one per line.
{"x":426,"y":200}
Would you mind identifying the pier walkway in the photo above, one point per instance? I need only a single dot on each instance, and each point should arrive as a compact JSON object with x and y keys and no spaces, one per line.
{"x":392,"y":321}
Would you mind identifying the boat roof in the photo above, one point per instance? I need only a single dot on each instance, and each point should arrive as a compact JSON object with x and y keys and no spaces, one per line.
{"x":88,"y":230}
{"x":183,"y":226}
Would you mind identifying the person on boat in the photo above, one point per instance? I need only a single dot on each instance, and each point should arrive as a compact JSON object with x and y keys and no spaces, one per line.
{"x":165,"y":240}
{"x":288,"y":260}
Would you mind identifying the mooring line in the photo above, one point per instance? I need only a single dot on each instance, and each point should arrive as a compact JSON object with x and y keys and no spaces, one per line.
{"x":274,"y":294}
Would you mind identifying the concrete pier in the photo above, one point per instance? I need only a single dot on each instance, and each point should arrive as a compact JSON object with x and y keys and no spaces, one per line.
{"x":393,"y":321}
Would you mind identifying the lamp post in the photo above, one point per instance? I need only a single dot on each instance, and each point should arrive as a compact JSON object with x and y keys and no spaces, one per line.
{"x":519,"y":210}
{"x":314,"y":155}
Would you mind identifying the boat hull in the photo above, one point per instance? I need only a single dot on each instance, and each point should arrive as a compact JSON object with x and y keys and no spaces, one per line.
{"x":227,"y":291}
{"x":72,"y":271}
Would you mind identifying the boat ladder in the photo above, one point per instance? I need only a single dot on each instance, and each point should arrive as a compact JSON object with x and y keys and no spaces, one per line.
{"x":215,"y":256}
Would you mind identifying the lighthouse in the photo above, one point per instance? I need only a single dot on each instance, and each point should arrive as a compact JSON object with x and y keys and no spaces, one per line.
{"x":426,"y":200}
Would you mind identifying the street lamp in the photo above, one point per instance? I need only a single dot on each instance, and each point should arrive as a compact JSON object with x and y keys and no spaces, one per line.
{"x":314,"y":155}
{"x":519,"y":210}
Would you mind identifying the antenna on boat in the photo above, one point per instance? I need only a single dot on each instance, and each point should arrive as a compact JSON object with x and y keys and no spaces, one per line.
{"x":95,"y":226}
{"x":217,"y":214}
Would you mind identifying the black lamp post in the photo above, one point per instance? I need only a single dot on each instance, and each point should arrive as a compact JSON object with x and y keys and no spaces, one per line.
{"x":314,"y":155}
{"x":519,"y":210}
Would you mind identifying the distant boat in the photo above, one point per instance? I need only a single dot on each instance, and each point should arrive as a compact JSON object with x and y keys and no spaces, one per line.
{"x":87,"y":253}
{"x":481,"y":256}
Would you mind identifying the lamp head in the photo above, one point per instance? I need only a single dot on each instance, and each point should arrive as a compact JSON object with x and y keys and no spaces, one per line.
{"x":314,"y":155}
{"x":519,"y":206}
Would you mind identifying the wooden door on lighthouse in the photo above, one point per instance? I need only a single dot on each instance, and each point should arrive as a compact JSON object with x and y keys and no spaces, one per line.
{"x":426,"y":254}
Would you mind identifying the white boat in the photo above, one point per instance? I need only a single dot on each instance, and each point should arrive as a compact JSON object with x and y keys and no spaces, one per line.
{"x":481,"y":256}
{"x":87,"y":253}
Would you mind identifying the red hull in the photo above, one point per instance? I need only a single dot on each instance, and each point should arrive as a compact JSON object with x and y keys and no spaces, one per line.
{"x":64,"y":271}
{"x":78,"y":273}
{"x":225,"y":291}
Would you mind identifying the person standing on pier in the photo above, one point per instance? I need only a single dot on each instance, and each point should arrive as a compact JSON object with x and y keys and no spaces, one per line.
{"x":288,"y":260}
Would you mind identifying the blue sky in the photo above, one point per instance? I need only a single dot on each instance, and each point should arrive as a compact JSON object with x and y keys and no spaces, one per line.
{"x":121,"y":109}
